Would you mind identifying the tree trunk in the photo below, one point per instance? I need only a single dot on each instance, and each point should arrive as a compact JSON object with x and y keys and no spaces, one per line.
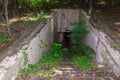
{"x":6,"y":18}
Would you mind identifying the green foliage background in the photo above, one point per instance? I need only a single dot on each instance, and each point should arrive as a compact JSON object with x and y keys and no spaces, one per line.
{"x":18,"y":7}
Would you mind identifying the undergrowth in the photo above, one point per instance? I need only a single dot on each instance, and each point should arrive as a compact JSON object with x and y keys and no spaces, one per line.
{"x":78,"y":34}
{"x":82,"y":53}
{"x":53,"y":57}
{"x":84,"y":62}
{"x":3,"y":38}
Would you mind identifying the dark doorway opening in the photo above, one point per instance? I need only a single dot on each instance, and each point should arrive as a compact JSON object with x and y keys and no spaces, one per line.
{"x":65,"y":39}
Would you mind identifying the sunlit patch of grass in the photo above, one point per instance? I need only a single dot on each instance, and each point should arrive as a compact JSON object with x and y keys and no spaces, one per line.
{"x":42,"y":16}
{"x":118,"y":35}
{"x":44,"y":73}
{"x":23,"y":21}
{"x":28,"y":20}
{"x":101,"y":3}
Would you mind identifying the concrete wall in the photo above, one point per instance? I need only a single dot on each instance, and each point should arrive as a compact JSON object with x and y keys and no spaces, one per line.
{"x":11,"y":65}
{"x":102,"y":44}
{"x":37,"y":45}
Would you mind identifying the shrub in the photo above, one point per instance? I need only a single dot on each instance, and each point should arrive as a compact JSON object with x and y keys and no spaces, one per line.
{"x":78,"y":33}
{"x":53,"y":57}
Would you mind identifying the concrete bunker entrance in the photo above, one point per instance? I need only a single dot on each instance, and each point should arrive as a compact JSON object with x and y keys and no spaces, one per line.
{"x":62,"y":22}
{"x":64,"y":18}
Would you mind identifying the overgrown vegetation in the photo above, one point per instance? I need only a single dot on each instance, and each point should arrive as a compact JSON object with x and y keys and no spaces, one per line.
{"x":53,"y":58}
{"x":82,"y":54}
{"x":78,"y":34}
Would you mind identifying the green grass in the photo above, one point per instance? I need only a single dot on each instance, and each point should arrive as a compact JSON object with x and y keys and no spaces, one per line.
{"x":32,"y":68}
{"x":3,"y":38}
{"x":45,"y":73}
{"x":84,"y":62}
{"x":49,"y":61}
{"x":53,"y":58}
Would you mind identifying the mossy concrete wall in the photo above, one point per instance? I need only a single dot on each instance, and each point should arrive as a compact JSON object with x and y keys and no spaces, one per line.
{"x":33,"y":45}
{"x":41,"y":43}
